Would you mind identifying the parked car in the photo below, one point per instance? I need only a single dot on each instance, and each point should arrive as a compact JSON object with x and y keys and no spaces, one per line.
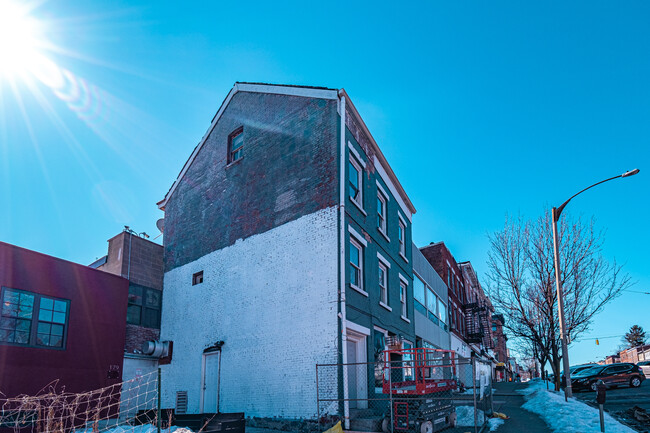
{"x":612,"y":375}
{"x":574,"y":370}
{"x":645,"y":367}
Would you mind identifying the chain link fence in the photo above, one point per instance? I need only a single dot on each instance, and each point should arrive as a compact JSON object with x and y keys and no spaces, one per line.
{"x":411,"y":390}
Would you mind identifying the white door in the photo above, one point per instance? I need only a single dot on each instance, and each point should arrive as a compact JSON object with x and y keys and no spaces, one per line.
{"x":352,"y":374}
{"x":357,"y":374}
{"x":210,"y":382}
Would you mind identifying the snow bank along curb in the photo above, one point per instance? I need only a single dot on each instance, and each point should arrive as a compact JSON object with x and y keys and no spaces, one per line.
{"x":571,"y":416}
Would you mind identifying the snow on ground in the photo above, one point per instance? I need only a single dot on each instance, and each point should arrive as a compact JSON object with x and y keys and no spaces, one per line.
{"x":533,"y":386}
{"x":465,"y":416}
{"x":571,"y":416}
{"x":494,"y":423}
{"x":145,"y":428}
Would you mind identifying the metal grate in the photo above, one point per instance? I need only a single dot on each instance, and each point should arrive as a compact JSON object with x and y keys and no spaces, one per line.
{"x":181,"y":402}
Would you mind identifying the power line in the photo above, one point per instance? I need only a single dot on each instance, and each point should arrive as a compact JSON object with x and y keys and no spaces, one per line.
{"x":636,"y":291}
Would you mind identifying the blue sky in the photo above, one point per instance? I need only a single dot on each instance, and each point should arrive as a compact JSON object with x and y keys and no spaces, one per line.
{"x":482,"y":108}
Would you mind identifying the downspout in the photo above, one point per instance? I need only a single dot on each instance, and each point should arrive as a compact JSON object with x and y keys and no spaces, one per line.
{"x":344,"y":335}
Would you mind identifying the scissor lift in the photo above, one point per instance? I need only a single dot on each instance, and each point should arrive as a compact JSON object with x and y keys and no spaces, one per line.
{"x":421,"y":381}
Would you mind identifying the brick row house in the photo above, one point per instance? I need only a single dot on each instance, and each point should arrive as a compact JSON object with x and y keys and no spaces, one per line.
{"x":447,"y":268}
{"x":499,"y":338}
{"x":469,"y":308}
{"x":287,"y":244}
{"x":430,"y":300}
{"x":140,"y":261}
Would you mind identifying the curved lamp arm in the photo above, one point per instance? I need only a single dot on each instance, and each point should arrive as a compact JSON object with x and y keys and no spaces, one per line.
{"x":558,"y":211}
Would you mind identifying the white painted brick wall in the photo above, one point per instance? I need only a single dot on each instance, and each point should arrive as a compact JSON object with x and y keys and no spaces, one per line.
{"x":273,"y":299}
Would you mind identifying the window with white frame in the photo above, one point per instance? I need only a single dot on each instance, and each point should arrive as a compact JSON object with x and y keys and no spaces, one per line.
{"x":402,"y":297}
{"x":355,"y":183}
{"x":356,"y":264}
{"x":400,"y":235}
{"x":236,"y":145}
{"x":381,"y":212}
{"x":383,"y":283}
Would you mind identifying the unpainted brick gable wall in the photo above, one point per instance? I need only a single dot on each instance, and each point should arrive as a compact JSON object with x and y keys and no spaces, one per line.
{"x":145,"y":269}
{"x":289,"y":169}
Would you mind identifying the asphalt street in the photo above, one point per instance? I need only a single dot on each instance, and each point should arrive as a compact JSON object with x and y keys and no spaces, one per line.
{"x":620,"y":400}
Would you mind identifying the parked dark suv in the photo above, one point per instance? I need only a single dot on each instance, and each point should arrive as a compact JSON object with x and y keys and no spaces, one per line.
{"x":575,"y":370}
{"x":612,"y":375}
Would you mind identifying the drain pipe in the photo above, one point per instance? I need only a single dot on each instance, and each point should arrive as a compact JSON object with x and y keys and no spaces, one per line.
{"x":344,"y":335}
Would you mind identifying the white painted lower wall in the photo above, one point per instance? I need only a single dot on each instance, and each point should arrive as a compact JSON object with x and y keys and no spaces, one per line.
{"x":272,"y":298}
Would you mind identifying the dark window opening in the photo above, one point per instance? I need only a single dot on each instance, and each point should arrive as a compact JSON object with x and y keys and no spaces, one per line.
{"x":197,"y":278}
{"x":144,"y":306}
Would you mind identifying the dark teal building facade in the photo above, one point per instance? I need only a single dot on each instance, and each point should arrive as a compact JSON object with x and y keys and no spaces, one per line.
{"x":379,"y":277}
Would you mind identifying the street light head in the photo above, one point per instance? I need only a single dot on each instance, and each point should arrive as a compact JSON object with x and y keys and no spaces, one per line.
{"x":630,"y":173}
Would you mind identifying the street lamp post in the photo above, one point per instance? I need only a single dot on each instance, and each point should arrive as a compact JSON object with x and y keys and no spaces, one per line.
{"x":556,"y":212}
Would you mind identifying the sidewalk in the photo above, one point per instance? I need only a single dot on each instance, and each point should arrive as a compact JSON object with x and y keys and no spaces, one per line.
{"x":508,"y":401}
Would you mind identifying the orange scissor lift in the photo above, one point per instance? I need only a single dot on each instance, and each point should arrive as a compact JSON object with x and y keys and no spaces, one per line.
{"x":421,"y":381}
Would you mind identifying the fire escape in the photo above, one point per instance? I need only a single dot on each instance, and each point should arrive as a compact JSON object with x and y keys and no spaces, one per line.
{"x":476,"y":321}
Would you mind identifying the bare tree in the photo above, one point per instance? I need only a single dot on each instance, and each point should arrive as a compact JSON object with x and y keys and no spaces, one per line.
{"x":521,"y":281}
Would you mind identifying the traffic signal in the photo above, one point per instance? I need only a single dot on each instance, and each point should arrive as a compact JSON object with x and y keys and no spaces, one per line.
{"x":597,"y":342}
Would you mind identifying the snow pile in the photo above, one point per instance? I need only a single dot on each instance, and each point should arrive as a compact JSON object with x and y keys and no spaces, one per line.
{"x":145,"y":428}
{"x":494,"y":423}
{"x":571,"y":416}
{"x":533,"y":386}
{"x":465,"y":416}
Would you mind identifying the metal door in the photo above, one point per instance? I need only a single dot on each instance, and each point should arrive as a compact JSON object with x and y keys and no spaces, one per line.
{"x":210,"y":382}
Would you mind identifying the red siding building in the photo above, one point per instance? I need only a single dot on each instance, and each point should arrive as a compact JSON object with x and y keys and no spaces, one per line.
{"x":59,"y":321}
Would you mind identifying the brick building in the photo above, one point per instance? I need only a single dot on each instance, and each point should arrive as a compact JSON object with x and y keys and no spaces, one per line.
{"x":634,"y":354}
{"x":447,"y":268}
{"x":140,"y":261}
{"x":499,"y":339}
{"x":59,"y":321}
{"x":430,"y":300}
{"x":287,"y":244}
{"x":478,"y":313}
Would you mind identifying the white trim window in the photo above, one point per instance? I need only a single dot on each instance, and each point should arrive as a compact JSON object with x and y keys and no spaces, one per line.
{"x":236,"y":145}
{"x":400,"y":236}
{"x":356,"y":264}
{"x":402,"y":298}
{"x":381,"y":212}
{"x":355,"y":182}
{"x":383,"y":283}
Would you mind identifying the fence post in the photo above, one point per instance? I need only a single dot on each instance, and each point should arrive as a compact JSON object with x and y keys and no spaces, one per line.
{"x":491,"y":393}
{"x":158,"y":414}
{"x":390,"y":394}
{"x":317,"y":399}
{"x":474,"y":387}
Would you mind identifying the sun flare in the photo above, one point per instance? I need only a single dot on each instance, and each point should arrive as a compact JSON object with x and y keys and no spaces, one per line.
{"x":20,"y":39}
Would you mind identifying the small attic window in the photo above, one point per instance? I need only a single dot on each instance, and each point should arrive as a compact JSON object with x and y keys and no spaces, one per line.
{"x":197,"y":278}
{"x":236,"y":145}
